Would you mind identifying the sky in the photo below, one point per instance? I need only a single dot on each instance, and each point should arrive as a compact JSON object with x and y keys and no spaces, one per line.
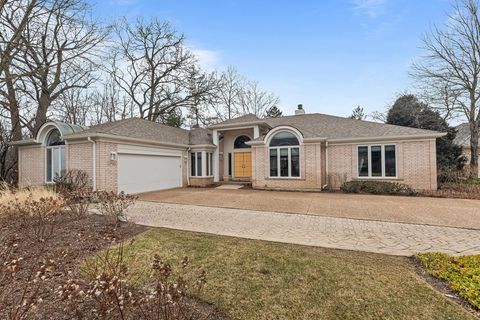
{"x":329,"y":55}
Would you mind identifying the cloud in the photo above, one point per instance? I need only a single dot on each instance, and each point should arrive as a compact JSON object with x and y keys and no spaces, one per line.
{"x":208,"y":59}
{"x":371,"y":8}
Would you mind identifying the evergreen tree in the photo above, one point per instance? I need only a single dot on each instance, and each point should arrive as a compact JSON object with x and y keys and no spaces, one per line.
{"x":408,"y":111}
{"x":358,"y":113}
{"x":273,"y":112}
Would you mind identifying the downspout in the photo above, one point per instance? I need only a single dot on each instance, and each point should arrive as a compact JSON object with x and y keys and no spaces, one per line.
{"x":94,"y":163}
{"x":326,"y":165}
{"x":188,"y":171}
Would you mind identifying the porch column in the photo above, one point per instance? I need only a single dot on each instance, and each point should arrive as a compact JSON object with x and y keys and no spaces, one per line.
{"x":256,"y":132}
{"x":216,"y":157}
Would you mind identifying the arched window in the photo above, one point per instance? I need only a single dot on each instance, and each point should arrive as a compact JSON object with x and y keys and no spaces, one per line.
{"x":54,"y":138}
{"x":56,"y":162}
{"x":240,"y":142}
{"x":284,"y":155}
{"x":284,"y":138}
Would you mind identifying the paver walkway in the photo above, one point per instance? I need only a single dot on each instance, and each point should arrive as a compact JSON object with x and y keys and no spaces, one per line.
{"x":363,"y":235}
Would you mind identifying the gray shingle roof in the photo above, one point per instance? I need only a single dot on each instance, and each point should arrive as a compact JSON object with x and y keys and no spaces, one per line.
{"x":141,"y":129}
{"x":242,"y":119}
{"x":200,"y":136}
{"x":314,"y":125}
{"x":317,"y":125}
{"x":463,"y":135}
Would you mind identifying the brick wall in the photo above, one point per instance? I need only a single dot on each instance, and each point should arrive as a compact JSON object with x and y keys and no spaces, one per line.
{"x":106,"y":168}
{"x":31,"y":166}
{"x":79,"y":157}
{"x":416,"y":164}
{"x":310,"y":169}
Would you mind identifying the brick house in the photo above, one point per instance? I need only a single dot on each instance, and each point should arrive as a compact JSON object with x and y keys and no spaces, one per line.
{"x":303,"y":151}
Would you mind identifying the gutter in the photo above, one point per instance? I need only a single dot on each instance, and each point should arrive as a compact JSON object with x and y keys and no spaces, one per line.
{"x":94,"y":162}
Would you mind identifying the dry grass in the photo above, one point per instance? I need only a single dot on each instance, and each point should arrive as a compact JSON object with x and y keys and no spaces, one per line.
{"x":250,"y":279}
{"x":22,"y":195}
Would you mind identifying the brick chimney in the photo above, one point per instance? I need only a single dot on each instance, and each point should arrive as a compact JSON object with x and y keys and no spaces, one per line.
{"x":299,"y":110}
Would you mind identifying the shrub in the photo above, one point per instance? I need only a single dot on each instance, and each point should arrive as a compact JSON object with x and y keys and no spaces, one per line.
{"x":464,"y":190}
{"x":34,"y":208}
{"x":113,"y":205}
{"x":461,"y":273}
{"x":105,"y":287}
{"x":78,"y":201}
{"x":448,"y":175}
{"x":377,"y":187}
{"x":72,"y":180}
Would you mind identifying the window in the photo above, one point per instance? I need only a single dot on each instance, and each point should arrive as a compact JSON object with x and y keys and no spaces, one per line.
{"x":196,"y":162}
{"x":199,"y":164}
{"x":210,"y":171}
{"x":284,"y":155}
{"x":56,"y":162}
{"x":230,"y":164}
{"x":378,"y":161}
{"x":239,"y":143}
{"x":193,"y":166}
{"x":363,"y":161}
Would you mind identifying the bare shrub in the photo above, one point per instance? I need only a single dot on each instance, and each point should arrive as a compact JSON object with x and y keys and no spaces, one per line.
{"x":20,"y":281}
{"x":72,"y":180}
{"x":106,"y":288}
{"x":78,"y":202}
{"x":34,"y":209}
{"x":113,"y":205}
{"x":449,"y":175}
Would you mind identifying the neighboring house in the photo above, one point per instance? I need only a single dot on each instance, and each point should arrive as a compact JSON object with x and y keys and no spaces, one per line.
{"x":463,"y":139}
{"x":304,"y":151}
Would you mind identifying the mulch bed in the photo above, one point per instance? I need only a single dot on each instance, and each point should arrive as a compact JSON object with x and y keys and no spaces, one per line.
{"x":72,"y":240}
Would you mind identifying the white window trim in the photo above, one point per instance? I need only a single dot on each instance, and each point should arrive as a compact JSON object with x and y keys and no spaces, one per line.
{"x":289,"y":162}
{"x":369,"y":155}
{"x":59,"y":159}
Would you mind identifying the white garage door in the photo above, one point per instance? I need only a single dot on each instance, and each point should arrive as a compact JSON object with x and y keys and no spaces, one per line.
{"x":141,"y":173}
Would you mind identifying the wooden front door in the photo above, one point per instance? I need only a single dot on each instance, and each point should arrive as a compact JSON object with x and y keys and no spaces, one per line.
{"x":242,"y":165}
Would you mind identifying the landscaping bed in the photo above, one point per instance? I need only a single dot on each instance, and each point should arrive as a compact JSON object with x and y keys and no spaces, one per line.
{"x":47,"y":271}
{"x":460,"y":274}
{"x":71,"y":242}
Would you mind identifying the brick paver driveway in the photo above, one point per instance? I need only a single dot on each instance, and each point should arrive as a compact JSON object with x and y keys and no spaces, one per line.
{"x":417,"y":210}
{"x":354,"y":234}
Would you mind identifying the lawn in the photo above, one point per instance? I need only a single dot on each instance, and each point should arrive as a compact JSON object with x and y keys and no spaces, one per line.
{"x":250,"y":279}
{"x":461,"y":273}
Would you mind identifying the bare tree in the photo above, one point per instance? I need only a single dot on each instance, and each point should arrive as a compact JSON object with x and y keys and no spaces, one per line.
{"x":62,"y":49}
{"x":7,"y":157}
{"x":255,"y":100}
{"x":153,"y":66}
{"x":227,"y":102}
{"x":202,"y":87}
{"x":14,"y":17}
{"x":452,"y":66}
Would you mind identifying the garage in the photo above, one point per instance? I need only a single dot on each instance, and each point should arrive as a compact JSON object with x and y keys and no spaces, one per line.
{"x":148,"y":170}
